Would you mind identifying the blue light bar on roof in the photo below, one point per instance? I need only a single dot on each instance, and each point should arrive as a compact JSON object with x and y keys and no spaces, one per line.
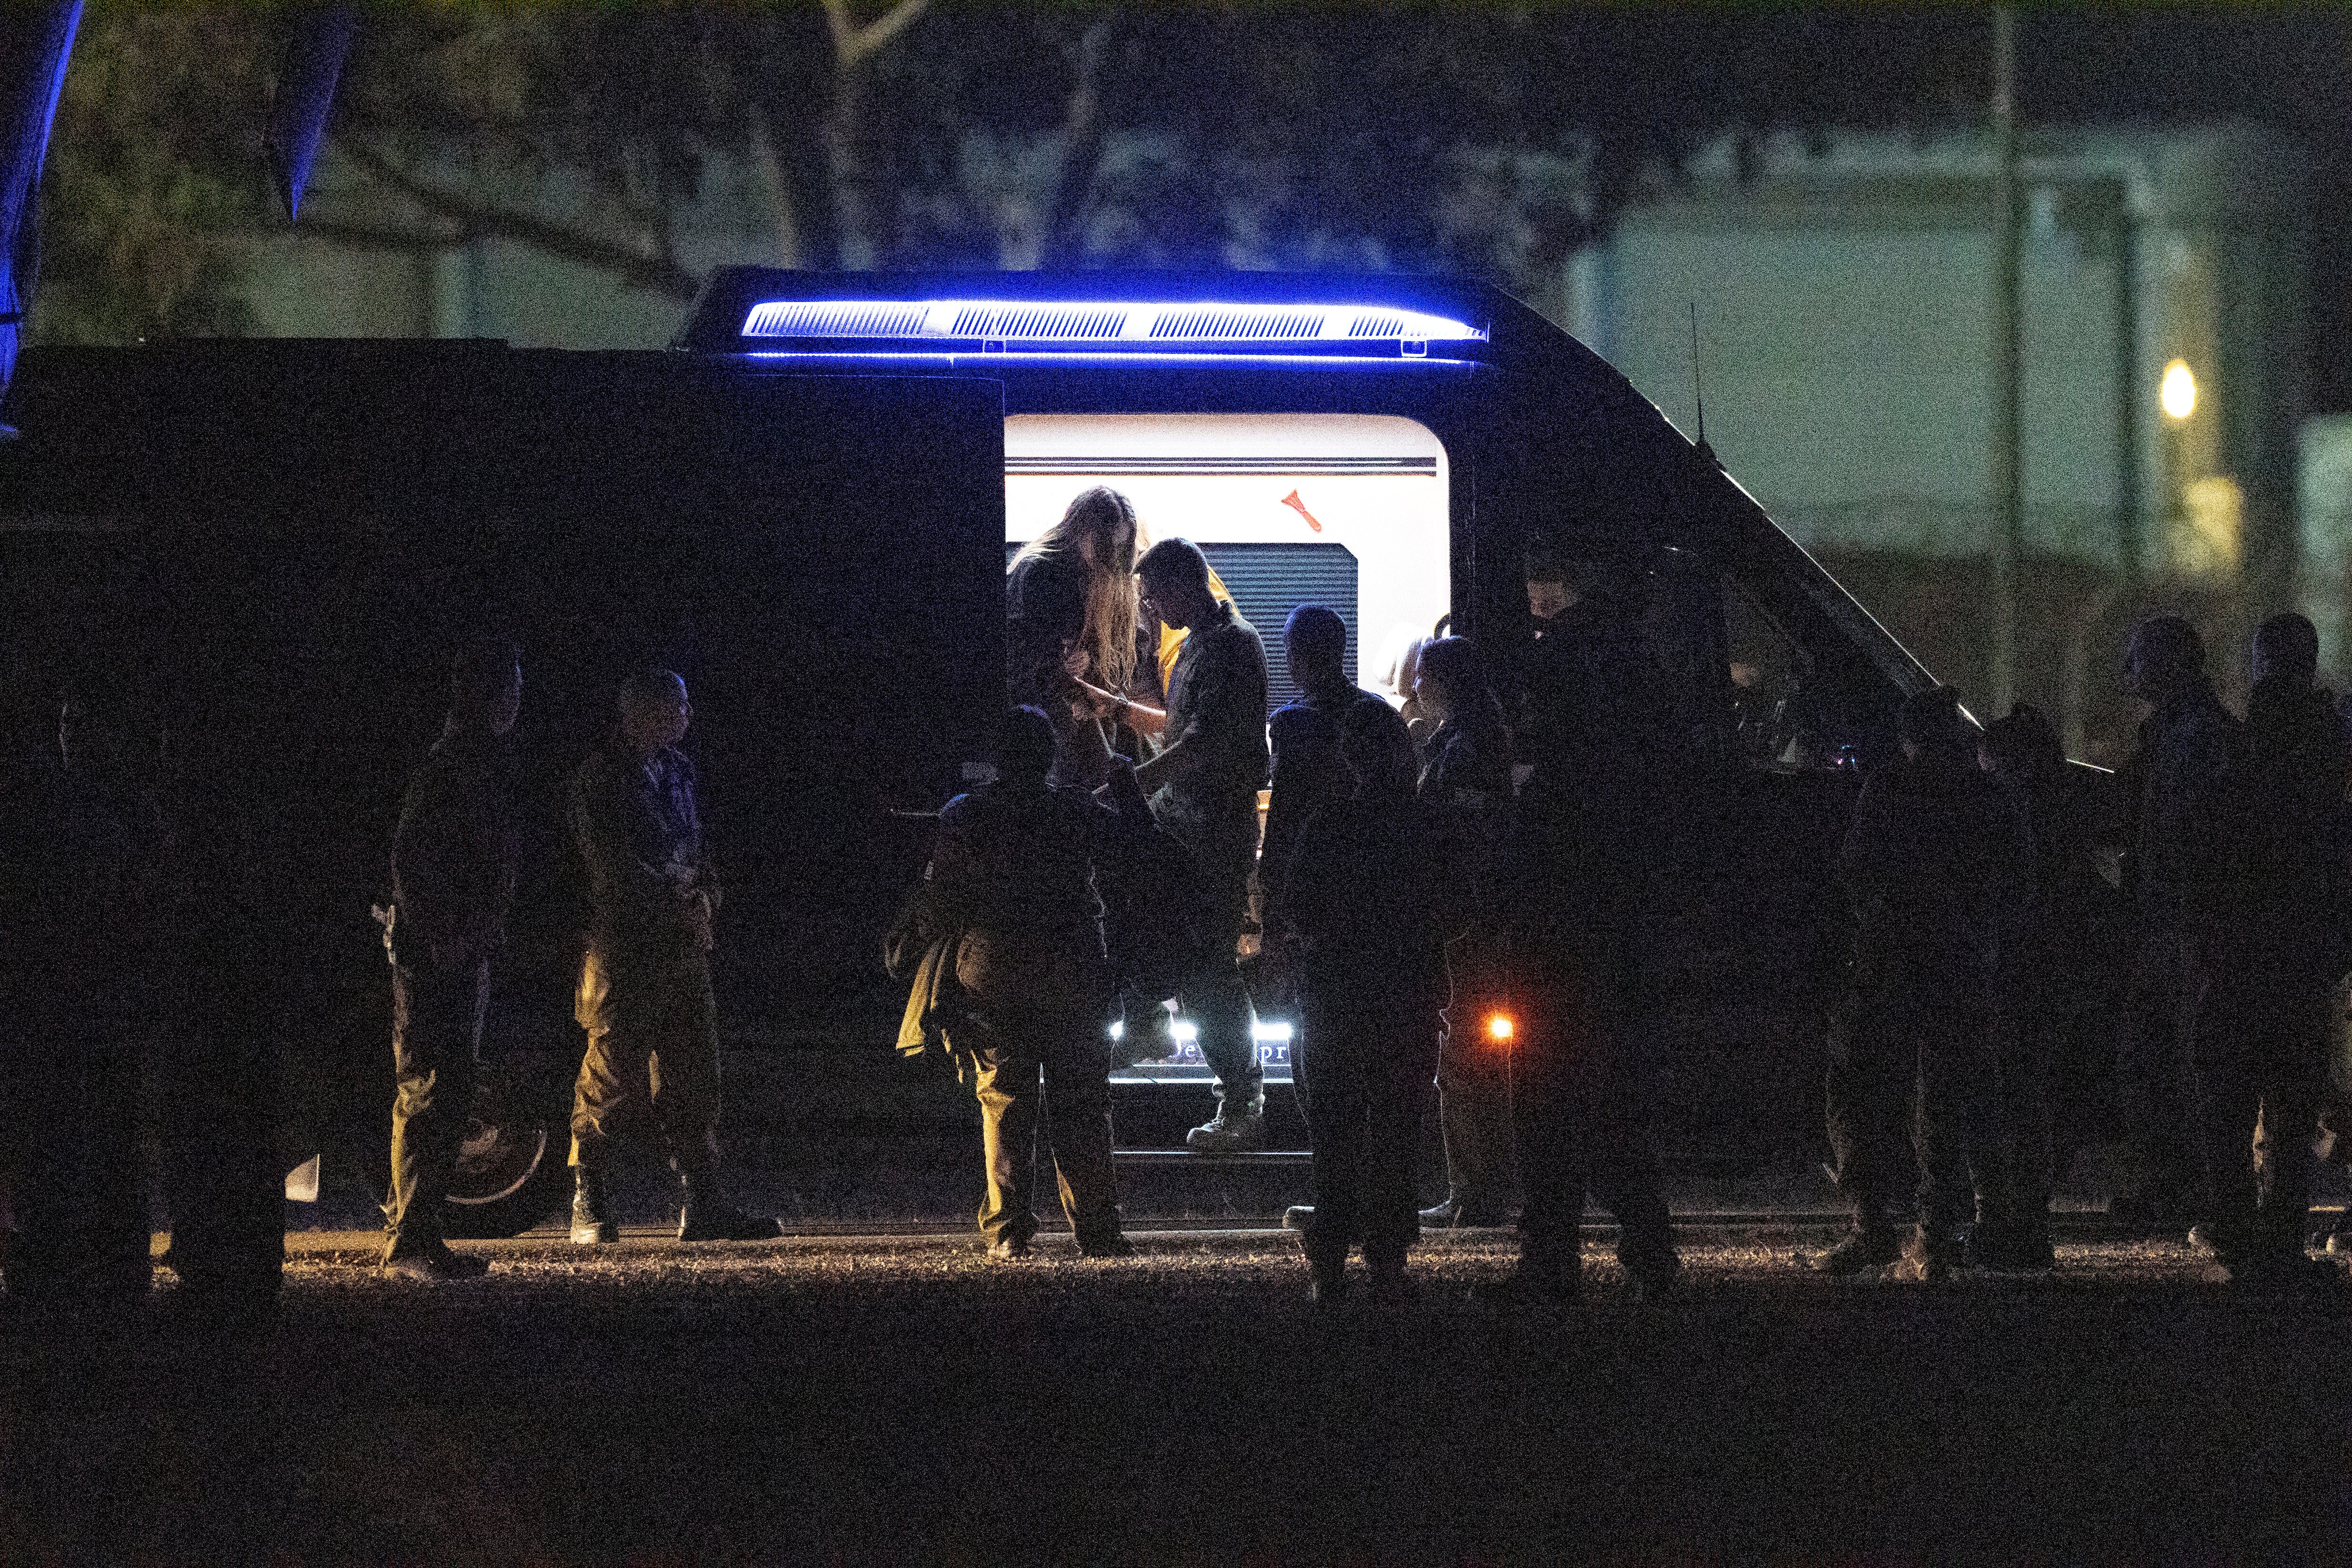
{"x":1024,"y":325}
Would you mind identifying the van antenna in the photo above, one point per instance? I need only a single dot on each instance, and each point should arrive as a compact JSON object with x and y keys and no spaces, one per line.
{"x":1698,"y":392}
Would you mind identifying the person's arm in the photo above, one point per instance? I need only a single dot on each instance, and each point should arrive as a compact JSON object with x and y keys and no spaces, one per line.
{"x":1125,"y":710}
{"x":1285,"y":810}
{"x":1308,"y":891}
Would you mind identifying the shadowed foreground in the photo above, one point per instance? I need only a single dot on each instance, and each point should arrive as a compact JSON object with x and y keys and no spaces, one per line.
{"x":906,"y":1402}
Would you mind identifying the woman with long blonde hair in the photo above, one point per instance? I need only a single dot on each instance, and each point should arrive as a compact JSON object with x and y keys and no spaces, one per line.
{"x":1070,"y":618}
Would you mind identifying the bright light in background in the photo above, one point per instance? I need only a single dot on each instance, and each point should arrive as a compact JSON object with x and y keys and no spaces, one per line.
{"x":1270,"y":1034}
{"x":2179,"y":392}
{"x":1499,"y":1029}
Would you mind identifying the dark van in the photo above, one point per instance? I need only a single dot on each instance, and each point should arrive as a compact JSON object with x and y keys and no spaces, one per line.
{"x":1387,"y":446}
{"x":250,"y":557}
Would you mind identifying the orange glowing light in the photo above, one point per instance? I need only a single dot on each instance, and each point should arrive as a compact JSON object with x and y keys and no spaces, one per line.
{"x":1498,"y":1028}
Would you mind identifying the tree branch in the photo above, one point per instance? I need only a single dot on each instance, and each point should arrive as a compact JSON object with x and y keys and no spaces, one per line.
{"x":1082,"y":141}
{"x":659,"y":273}
{"x":853,"y":44}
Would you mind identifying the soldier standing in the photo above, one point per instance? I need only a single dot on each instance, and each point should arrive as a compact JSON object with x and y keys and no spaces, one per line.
{"x":1469,"y":775}
{"x":2271,"y":943}
{"x":1371,"y":892}
{"x":1938,"y":870}
{"x":1014,"y":872}
{"x":453,"y":877}
{"x":1205,"y":784}
{"x":2056,"y":993}
{"x":645,"y":985}
{"x":2186,"y":742}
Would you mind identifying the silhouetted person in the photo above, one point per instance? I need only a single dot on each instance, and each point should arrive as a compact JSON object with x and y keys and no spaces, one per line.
{"x":2052,"y":985}
{"x":1371,"y":894}
{"x":1013,"y":870}
{"x":1468,"y":775}
{"x":1203,"y":785}
{"x":1071,"y":622}
{"x":1577,"y":689}
{"x":2185,"y":744}
{"x":644,"y":986}
{"x":1937,"y":867}
{"x":453,"y":876}
{"x":1582,"y":1080}
{"x":1305,"y":738}
{"x":2271,"y":938}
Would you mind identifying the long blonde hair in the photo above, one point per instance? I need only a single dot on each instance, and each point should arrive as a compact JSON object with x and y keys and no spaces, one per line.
{"x":1108,"y":518}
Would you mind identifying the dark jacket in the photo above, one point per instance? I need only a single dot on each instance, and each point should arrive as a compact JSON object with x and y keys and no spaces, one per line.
{"x":2271,"y":890}
{"x":1307,"y":775}
{"x":1468,"y":777}
{"x":2184,"y":748}
{"x":1021,"y":860}
{"x":1014,"y":871}
{"x":1939,"y":867}
{"x":2073,"y":942}
{"x":1044,"y":606}
{"x":1370,"y":890}
{"x":640,"y":836}
{"x":453,"y":853}
{"x":1578,"y":696}
{"x":1216,"y":712}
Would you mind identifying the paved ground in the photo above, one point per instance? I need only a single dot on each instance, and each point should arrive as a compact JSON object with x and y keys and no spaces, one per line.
{"x":900,"y":1400}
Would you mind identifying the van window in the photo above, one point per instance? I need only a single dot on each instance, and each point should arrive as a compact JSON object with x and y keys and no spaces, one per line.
{"x":1779,"y":718}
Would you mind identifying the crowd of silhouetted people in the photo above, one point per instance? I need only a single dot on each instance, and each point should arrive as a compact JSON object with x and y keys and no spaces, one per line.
{"x":1450,"y":887}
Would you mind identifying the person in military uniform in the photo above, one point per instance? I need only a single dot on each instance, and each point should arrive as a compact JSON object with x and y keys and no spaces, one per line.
{"x":1203,"y":785}
{"x":453,"y":875}
{"x":1012,"y":877}
{"x":1939,"y":870}
{"x":2270,"y":931}
{"x":1577,"y":689}
{"x":1307,"y":775}
{"x":1468,"y":775}
{"x":1371,"y":893}
{"x":2185,"y":744}
{"x":2056,"y":990}
{"x":1304,"y":739}
{"x":645,"y":985}
{"x":1582,"y":1083}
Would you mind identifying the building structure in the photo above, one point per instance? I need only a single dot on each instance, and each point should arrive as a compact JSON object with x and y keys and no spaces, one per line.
{"x":1834,"y":301}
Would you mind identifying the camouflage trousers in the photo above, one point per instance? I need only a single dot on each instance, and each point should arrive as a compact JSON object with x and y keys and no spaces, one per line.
{"x":653,"y":1047}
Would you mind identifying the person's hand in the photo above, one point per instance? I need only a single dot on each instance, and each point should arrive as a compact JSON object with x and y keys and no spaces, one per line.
{"x":1104,"y":704}
{"x":1075,"y":660}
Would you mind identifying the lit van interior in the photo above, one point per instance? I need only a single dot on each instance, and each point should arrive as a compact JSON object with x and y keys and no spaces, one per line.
{"x":1348,"y":511}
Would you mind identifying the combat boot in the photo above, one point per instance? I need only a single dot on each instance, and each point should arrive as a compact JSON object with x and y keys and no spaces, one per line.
{"x":1326,"y":1276}
{"x":1234,"y":1130}
{"x":592,"y":1210}
{"x":706,"y":1215}
{"x":1928,"y":1254}
{"x":433,"y":1264}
